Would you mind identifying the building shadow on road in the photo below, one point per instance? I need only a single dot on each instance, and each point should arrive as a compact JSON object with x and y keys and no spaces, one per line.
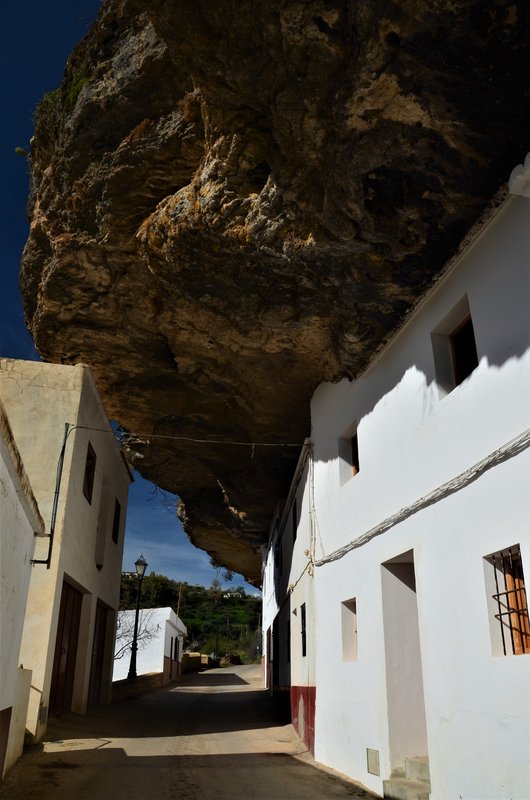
{"x":174,"y":711}
{"x":215,"y":679}
{"x":105,"y":773}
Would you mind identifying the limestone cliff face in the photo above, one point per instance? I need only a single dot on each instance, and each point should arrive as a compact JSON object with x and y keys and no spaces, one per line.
{"x":232,"y":202}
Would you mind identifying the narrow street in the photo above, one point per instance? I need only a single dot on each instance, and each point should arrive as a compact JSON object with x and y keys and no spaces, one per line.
{"x":215,"y":735}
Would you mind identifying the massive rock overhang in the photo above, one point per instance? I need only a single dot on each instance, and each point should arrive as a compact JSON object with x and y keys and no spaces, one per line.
{"x":231,"y":204}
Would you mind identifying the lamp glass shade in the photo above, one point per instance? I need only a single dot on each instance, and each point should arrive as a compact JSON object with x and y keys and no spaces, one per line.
{"x":140,"y":565}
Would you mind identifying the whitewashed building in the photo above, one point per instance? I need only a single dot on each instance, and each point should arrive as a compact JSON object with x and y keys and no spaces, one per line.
{"x":80,"y":482}
{"x":161,"y":637}
{"x":395,"y":609}
{"x":20,"y":522}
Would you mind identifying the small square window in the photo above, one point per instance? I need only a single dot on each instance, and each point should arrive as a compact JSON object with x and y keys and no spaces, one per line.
{"x":463,"y":351}
{"x":90,"y":471}
{"x":507,"y":602}
{"x":354,"y":443}
{"x":349,"y":629}
{"x":454,"y":348}
{"x":278,"y":550}
{"x":303,"y":629}
{"x":116,"y":521}
{"x":349,"y":463}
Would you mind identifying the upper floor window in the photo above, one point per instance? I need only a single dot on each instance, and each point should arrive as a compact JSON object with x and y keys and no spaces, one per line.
{"x":303,"y":629}
{"x":90,"y":471}
{"x":354,"y":443}
{"x":454,"y":347}
{"x":349,"y":629}
{"x":116,"y":521}
{"x":278,"y":552}
{"x":463,"y":351}
{"x":349,"y":463}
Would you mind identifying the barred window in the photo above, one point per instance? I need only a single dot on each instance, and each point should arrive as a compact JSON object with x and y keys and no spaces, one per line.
{"x":508,"y":602}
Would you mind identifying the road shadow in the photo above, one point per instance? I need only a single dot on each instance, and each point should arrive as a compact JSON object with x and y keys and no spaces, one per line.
{"x":211,"y":679}
{"x":174,"y":711}
{"x":108,"y":772}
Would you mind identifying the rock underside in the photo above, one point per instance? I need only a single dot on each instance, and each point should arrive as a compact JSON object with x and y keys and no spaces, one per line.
{"x":232,"y":202}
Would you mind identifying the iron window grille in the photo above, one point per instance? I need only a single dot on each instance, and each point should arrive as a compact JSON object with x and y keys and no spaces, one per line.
{"x":511,"y":600}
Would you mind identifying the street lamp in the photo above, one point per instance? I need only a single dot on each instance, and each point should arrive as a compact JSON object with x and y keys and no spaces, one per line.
{"x":140,"y":566}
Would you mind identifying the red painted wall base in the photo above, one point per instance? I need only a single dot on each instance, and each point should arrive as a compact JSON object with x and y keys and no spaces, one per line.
{"x":303,"y":700}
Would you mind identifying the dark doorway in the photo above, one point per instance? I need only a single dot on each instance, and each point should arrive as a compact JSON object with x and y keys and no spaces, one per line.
{"x":62,"y":684}
{"x":98,"y":655}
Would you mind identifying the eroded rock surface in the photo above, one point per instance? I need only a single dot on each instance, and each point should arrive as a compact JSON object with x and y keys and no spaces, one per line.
{"x":232,"y":202}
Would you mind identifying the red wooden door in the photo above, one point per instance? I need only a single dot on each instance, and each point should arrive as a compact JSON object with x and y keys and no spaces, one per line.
{"x":62,"y":684}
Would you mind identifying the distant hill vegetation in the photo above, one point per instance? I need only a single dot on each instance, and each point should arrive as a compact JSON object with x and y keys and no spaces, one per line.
{"x":219,"y":621}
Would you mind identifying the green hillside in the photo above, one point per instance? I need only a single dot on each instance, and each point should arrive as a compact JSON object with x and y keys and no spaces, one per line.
{"x":222,"y":621}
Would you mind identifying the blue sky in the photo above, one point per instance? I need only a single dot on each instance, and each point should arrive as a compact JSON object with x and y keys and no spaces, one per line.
{"x":35,"y":41}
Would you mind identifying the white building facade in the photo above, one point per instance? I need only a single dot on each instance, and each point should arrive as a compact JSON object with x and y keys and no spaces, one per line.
{"x":80,"y":482}
{"x":20,"y":523}
{"x":161,"y":637}
{"x":412,"y":542}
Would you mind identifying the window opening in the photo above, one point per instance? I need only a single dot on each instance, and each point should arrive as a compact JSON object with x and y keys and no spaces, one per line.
{"x":454,"y":347}
{"x":90,"y":471}
{"x":349,"y":629}
{"x":303,"y":629}
{"x":349,"y":463}
{"x":510,"y":605}
{"x":463,"y":351}
{"x":354,"y":454}
{"x":116,"y":522}
{"x":278,"y":560}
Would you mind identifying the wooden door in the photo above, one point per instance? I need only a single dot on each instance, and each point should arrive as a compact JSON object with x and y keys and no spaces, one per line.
{"x":98,"y":655}
{"x":62,"y":684}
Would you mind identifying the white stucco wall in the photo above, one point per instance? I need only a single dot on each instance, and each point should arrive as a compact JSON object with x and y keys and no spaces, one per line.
{"x":162,"y":627}
{"x":40,"y":399}
{"x":20,"y":522}
{"x":284,"y":593}
{"x":412,"y":439}
{"x":423,"y":679}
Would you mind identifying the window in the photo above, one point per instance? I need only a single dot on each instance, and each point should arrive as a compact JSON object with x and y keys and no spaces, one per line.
{"x":349,"y":629}
{"x":354,"y":443}
{"x":303,"y":629}
{"x":508,"y":605}
{"x":278,"y":559}
{"x":116,"y":522}
{"x":463,"y":351}
{"x":349,"y":464}
{"x":90,"y":471}
{"x":454,"y":348}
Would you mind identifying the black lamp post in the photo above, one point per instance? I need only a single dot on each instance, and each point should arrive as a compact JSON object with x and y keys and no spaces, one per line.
{"x":140,"y":566}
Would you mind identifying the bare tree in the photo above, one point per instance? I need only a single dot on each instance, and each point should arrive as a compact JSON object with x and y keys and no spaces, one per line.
{"x":147,"y":630}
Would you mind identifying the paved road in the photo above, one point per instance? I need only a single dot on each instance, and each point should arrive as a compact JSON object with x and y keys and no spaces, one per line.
{"x":216,"y":736}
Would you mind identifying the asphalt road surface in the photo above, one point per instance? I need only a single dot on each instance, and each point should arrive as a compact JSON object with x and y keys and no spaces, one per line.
{"x":214,"y":736}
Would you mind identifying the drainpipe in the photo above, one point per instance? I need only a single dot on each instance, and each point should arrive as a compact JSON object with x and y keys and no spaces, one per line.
{"x":55,"y":506}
